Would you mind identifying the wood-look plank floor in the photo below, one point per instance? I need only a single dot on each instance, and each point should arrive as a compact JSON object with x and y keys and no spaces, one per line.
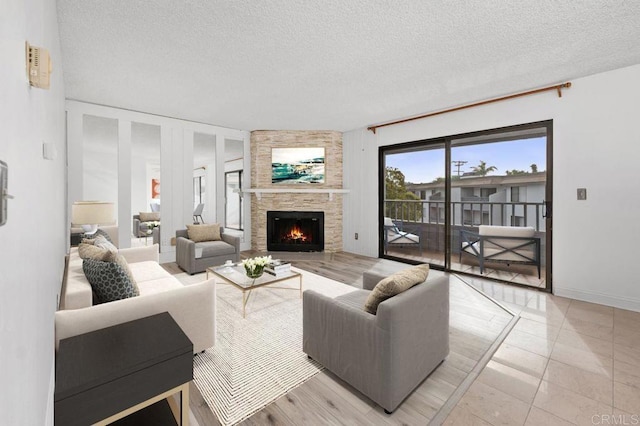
{"x":475,"y":323}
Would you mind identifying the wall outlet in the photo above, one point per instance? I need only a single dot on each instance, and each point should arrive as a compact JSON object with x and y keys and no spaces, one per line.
{"x":582,"y":194}
{"x":356,"y":236}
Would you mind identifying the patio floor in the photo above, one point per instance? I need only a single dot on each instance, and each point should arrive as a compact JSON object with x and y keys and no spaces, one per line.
{"x":512,"y":273}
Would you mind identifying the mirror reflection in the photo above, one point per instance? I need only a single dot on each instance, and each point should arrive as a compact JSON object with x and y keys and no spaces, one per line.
{"x":145,"y":184}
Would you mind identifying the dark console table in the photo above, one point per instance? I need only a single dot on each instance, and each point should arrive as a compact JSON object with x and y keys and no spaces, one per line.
{"x":76,"y":239}
{"x":105,"y":375}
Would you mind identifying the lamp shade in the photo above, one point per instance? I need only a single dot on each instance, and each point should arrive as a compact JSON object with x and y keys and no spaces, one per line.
{"x":92,"y":213}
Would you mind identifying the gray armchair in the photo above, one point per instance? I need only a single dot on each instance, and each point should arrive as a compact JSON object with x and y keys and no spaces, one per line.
{"x":135,"y":227}
{"x":387,"y":355}
{"x":139,"y":225}
{"x":195,"y":257}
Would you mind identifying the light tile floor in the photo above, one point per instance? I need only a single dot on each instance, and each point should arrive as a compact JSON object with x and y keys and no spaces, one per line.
{"x":566,"y":362}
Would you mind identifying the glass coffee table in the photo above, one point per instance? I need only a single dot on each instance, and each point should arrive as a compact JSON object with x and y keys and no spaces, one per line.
{"x":235,"y":275}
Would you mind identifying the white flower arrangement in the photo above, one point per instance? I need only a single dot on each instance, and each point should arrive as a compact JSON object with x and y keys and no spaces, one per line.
{"x":251,"y":264}
{"x":151,"y":225}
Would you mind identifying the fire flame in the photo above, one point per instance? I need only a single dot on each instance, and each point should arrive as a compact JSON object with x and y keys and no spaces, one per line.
{"x":296,"y":234}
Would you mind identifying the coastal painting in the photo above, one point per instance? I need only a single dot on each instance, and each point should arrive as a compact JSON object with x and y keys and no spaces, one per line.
{"x":297,"y":165}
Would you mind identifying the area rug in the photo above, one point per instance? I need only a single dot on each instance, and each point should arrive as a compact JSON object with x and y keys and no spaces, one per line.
{"x":259,"y":358}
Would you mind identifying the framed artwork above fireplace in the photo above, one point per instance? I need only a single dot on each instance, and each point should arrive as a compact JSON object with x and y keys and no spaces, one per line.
{"x":297,"y":165}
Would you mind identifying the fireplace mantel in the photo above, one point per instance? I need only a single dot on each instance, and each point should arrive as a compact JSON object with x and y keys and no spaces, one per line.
{"x":260,"y":191}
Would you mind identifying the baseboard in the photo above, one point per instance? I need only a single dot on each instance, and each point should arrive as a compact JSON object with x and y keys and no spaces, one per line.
{"x":48,"y":421}
{"x":629,"y":303}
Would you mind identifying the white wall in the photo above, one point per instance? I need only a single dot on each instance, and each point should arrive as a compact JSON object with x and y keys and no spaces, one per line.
{"x":100,"y":160}
{"x":34,"y":240}
{"x":596,"y":146}
{"x":140,"y":185}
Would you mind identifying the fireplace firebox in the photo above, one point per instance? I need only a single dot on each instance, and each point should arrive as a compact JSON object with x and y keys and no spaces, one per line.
{"x":295,"y":231}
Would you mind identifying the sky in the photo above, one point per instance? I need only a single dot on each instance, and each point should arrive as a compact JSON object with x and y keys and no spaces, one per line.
{"x":426,"y":166}
{"x":293,"y":155}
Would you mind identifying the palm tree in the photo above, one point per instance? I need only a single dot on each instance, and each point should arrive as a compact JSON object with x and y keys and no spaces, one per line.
{"x":482,"y":169}
{"x":534,"y":168}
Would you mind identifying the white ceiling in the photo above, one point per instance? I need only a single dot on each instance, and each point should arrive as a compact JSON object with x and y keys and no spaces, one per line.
{"x":335,"y":64}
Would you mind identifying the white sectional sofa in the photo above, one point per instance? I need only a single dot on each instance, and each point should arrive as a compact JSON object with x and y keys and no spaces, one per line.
{"x":191,"y":306}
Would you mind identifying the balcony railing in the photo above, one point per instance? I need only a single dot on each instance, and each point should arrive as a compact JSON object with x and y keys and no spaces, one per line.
{"x":468,"y":213}
{"x":425,"y":219}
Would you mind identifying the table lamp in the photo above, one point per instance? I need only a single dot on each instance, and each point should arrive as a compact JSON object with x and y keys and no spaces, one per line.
{"x":91,"y":214}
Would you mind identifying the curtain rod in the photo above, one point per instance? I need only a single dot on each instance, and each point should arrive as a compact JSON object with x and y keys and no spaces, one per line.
{"x":557,"y":87}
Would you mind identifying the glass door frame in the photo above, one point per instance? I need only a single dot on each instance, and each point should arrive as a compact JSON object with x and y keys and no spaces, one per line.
{"x":446,"y":141}
{"x":240,"y":212}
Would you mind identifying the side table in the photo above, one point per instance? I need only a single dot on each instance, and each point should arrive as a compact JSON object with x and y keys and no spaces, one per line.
{"x":107,"y":374}
{"x":75,"y":239}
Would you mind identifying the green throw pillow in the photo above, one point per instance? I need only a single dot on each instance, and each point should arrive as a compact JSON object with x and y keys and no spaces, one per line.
{"x":395,"y":284}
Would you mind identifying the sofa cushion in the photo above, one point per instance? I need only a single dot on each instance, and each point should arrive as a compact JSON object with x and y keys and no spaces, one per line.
{"x":215,"y":248}
{"x":395,"y":284}
{"x":90,"y":251}
{"x":158,"y":286}
{"x":522,"y":254}
{"x":491,"y":232}
{"x":148,"y":271}
{"x":507,"y":231}
{"x":108,"y":280}
{"x":149,"y":216}
{"x":208,"y":232}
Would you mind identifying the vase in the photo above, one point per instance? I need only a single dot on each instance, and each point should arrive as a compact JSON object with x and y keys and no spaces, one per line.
{"x":256,"y":273}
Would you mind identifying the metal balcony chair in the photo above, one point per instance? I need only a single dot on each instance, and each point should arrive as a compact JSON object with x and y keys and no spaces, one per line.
{"x":197,"y":214}
{"x":396,"y":235}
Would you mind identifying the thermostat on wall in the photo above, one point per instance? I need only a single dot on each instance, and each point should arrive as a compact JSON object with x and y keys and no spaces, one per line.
{"x":38,"y":66}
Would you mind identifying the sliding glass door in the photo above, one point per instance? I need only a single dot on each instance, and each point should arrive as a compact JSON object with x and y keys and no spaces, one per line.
{"x":445,"y":200}
{"x":414,"y":217}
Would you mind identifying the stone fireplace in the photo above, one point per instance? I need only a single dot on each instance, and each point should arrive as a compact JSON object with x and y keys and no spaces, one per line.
{"x":322,"y":198}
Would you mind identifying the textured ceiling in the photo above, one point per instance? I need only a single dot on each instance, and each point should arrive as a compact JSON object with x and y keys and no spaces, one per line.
{"x":335,"y":64}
